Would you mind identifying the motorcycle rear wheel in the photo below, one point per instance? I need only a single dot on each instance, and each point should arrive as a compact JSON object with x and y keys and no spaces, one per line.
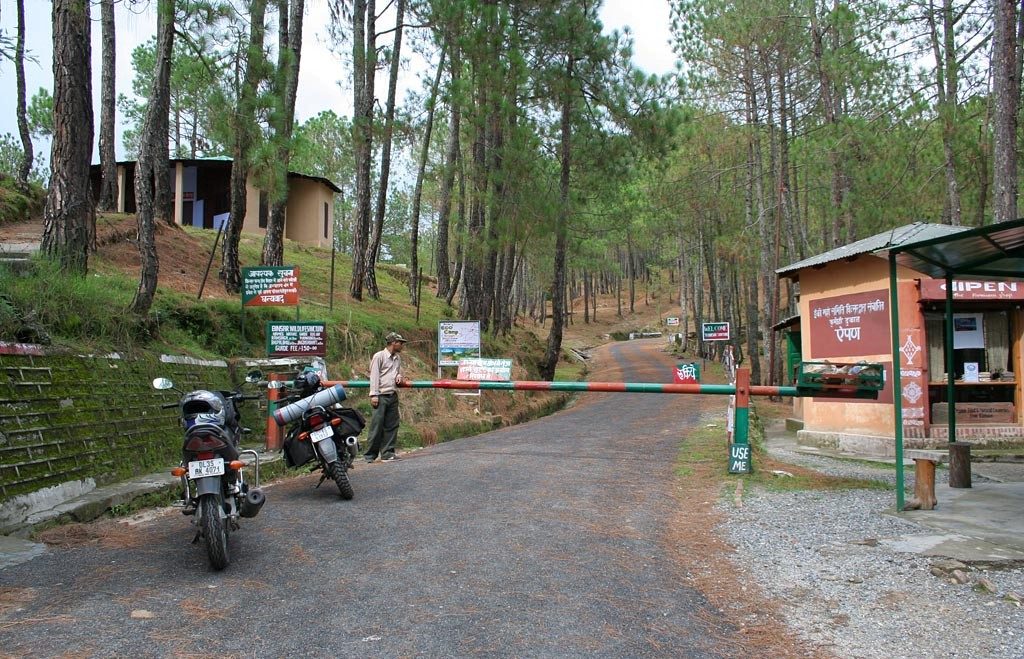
{"x":339,"y":474}
{"x":215,"y":531}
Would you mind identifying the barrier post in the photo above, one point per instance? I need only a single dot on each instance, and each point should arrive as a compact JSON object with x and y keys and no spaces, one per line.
{"x":739,"y":450}
{"x":273,"y":430}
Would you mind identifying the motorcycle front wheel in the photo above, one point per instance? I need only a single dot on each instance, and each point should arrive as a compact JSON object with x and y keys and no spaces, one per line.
{"x":339,"y":474}
{"x":215,"y":531}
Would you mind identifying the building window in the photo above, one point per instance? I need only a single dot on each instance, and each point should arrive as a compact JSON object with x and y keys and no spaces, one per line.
{"x":326,"y":216}
{"x":264,"y":210}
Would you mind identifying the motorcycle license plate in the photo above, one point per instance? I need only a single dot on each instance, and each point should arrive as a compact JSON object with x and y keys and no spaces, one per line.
{"x":204,"y":468}
{"x":322,"y":434}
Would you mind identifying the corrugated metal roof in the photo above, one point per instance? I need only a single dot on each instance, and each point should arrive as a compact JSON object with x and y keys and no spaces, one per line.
{"x":910,"y":233}
{"x":995,"y":251}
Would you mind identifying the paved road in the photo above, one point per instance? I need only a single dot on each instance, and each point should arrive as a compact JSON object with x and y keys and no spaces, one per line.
{"x":546,"y":539}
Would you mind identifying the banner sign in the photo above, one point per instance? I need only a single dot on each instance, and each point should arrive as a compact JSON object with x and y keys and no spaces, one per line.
{"x":296,"y":339}
{"x":270,"y":286}
{"x":935,"y":289}
{"x":715,"y":331}
{"x":489,"y":370}
{"x":854,"y":325}
{"x":457,"y":340}
{"x":672,"y":321}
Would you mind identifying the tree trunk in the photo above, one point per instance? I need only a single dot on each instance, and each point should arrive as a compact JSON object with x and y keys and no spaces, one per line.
{"x":19,"y":71}
{"x":448,"y":180}
{"x":364,"y":63}
{"x":68,"y":216}
{"x":373,"y":247}
{"x":108,"y":112}
{"x":1006,"y":92}
{"x":153,"y":146}
{"x":244,"y":125}
{"x":417,"y":195}
{"x":289,"y":55}
{"x":554,"y":347}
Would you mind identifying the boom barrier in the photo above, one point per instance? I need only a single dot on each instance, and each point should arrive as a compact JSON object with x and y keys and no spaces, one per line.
{"x":615,"y":387}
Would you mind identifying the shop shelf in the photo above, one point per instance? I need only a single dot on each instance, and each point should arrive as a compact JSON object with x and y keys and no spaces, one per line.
{"x":842,"y":380}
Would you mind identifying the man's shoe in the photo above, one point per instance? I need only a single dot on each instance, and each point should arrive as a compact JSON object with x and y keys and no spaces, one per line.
{"x":388,"y":457}
{"x":369,"y":458}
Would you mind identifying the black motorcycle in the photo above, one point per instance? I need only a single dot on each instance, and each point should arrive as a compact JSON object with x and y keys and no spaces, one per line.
{"x":214,"y":490}
{"x":321,"y":429}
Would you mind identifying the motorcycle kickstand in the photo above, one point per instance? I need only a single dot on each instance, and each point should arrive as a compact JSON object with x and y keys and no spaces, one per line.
{"x":323,"y":477}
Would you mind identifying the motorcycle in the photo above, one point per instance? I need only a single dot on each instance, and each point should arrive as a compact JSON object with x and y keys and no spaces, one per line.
{"x":322,"y":429}
{"x":214,"y":490}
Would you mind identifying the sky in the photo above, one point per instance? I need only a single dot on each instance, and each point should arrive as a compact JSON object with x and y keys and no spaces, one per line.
{"x":320,"y":72}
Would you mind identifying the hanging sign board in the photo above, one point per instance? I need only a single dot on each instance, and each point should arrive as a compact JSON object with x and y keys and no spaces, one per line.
{"x":714,"y":331}
{"x":270,"y":286}
{"x":296,"y":339}
{"x":457,"y":340}
{"x":485,"y":370}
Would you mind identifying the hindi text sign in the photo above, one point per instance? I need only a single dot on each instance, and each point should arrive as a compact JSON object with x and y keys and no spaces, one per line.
{"x":270,"y":286}
{"x":852,"y":325}
{"x":485,"y":370}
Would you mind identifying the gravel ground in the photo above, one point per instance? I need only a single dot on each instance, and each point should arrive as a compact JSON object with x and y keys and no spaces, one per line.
{"x":844,"y":589}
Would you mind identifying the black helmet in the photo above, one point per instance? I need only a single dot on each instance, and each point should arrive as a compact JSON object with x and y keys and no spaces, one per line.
{"x":307,"y":380}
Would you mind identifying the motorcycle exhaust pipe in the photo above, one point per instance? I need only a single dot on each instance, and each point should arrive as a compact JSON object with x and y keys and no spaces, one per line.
{"x":251,"y":504}
{"x":351,"y":441}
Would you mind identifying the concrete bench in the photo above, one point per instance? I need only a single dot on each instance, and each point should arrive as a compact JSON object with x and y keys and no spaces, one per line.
{"x":925,"y":461}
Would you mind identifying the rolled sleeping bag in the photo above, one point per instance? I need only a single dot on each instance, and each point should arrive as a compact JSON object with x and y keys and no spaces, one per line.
{"x":323,"y":398}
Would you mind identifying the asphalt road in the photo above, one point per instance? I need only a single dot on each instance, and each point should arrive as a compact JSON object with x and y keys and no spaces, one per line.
{"x":550,"y":538}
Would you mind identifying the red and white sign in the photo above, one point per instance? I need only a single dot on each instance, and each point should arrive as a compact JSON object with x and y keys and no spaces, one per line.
{"x":854,"y":325}
{"x":935,"y":289}
{"x":685,"y":374}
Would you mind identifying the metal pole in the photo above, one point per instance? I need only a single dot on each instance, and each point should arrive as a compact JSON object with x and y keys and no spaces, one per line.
{"x":950,"y":359}
{"x":209,"y":263}
{"x":614,"y":387}
{"x":273,"y":440}
{"x":894,"y":321}
{"x":330,"y":305}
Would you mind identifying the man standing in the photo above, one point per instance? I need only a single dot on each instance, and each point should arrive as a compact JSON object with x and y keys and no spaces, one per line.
{"x":385,"y":377}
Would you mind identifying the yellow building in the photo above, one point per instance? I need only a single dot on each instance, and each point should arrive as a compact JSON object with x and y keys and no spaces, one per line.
{"x":202,"y":198}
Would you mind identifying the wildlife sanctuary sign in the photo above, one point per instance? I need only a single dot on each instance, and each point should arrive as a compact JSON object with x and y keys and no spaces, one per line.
{"x":296,"y":339}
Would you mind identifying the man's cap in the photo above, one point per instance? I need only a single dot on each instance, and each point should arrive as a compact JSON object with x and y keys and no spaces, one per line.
{"x":393,"y":337}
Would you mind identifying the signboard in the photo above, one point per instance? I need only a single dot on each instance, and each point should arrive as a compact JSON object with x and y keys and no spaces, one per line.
{"x":739,"y":459}
{"x":270,"y":286}
{"x":490,"y":370}
{"x":687,"y":374}
{"x":715,"y":331}
{"x":457,"y":340}
{"x":852,"y":325}
{"x":296,"y":339}
{"x":968,"y":331}
{"x":935,"y":289}
{"x":672,"y":321}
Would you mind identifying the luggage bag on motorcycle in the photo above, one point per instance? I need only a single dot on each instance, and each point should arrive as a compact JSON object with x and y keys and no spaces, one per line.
{"x":352,"y":422}
{"x":297,"y":453}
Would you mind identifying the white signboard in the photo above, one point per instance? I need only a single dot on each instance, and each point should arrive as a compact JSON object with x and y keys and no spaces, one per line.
{"x":485,"y":370}
{"x":672,"y":321}
{"x":968,"y":331}
{"x":457,"y":340}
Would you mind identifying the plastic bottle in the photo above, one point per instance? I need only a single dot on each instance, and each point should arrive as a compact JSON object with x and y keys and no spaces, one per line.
{"x":323,"y":398}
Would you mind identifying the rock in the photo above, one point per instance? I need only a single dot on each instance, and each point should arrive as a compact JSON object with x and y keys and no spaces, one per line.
{"x":779,"y":472}
{"x":948,"y":565}
{"x":855,"y":579}
{"x":867,"y":542}
{"x":985,"y":585}
{"x":142,"y":614}
{"x":936,"y":572}
{"x":959,"y":577}
{"x":1012,"y":597}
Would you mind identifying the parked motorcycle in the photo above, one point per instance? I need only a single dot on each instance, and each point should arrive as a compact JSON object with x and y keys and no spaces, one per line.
{"x":321,"y":429}
{"x":214,"y":490}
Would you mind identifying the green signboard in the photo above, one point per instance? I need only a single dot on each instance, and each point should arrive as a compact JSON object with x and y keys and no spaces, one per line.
{"x":739,"y":459}
{"x":296,"y":339}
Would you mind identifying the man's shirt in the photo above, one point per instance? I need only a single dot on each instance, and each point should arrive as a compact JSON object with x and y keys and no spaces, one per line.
{"x":385,"y":366}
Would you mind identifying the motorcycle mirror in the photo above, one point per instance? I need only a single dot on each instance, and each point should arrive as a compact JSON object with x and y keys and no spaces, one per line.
{"x":254,"y":376}
{"x":162,"y":383}
{"x":275,"y":384}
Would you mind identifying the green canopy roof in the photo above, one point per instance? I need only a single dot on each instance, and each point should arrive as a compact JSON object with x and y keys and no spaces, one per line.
{"x":995,"y":251}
